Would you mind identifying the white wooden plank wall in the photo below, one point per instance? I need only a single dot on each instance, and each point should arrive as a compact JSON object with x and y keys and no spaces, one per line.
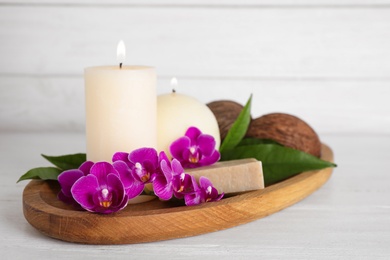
{"x":327,"y":62}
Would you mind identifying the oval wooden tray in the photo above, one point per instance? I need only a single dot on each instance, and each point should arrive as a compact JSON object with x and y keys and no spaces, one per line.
{"x":156,"y":220}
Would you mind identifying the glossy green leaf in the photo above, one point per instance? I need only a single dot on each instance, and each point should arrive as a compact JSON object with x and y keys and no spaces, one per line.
{"x":43,"y":173}
{"x":67,"y":162}
{"x":238,"y":130}
{"x":279,"y":162}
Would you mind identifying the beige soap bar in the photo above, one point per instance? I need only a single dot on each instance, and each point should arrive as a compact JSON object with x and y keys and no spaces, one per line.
{"x":232,"y":176}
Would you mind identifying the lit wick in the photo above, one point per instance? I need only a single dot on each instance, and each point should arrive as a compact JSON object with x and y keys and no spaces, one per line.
{"x":174,"y":84}
{"x":121,"y":53}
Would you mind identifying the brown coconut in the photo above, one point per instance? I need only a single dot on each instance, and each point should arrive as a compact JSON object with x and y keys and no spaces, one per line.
{"x":287,"y":130}
{"x":226,"y":113}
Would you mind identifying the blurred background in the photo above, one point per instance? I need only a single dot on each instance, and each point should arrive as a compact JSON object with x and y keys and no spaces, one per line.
{"x":325,"y":61}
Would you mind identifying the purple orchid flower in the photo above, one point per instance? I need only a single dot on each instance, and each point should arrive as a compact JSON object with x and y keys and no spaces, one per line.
{"x":182,"y":185}
{"x":195,"y":149}
{"x":122,"y":156}
{"x":132,"y":185}
{"x":101,"y":190}
{"x":162,"y":184}
{"x":68,"y":178}
{"x":171,"y":179}
{"x":143,"y":163}
{"x":205,"y":192}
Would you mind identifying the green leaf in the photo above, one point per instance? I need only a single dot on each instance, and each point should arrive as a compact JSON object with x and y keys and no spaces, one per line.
{"x":43,"y":173}
{"x":67,"y":162}
{"x":279,"y":162}
{"x":238,"y":129}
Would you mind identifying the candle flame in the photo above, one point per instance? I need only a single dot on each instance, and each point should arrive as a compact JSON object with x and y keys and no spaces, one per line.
{"x":121,"y":52}
{"x":174,"y":84}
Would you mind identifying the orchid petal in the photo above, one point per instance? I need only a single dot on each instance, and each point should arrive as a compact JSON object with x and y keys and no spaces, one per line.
{"x":144,"y":154}
{"x":177,"y":169}
{"x":135,"y":190}
{"x":123,"y":204}
{"x":162,"y":188}
{"x":120,"y":156}
{"x":206,"y":144}
{"x":167,"y":171}
{"x":162,"y":157}
{"x":84,"y":189}
{"x":204,"y":182}
{"x":125,"y":173}
{"x":193,"y":133}
{"x":67,"y":179}
{"x":101,"y":170}
{"x":85,"y":167}
{"x":215,"y":156}
{"x":220,"y":196}
{"x":183,"y":184}
{"x":214,"y":193}
{"x":150,"y":166}
{"x":185,"y":160}
{"x":132,"y":186}
{"x":194,"y":198}
{"x":190,"y":183}
{"x":210,"y":192}
{"x":115,"y":186}
{"x":177,"y":147}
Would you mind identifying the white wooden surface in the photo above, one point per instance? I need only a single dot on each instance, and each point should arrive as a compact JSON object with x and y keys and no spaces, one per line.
{"x":325,"y":61}
{"x":348,"y":218}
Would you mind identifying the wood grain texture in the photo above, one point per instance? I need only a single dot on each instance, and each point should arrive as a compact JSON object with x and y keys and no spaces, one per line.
{"x":347,"y":218}
{"x":156,"y":220}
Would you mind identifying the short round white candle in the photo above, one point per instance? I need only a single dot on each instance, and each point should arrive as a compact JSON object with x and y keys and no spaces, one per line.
{"x":176,"y":113}
{"x":120,"y":108}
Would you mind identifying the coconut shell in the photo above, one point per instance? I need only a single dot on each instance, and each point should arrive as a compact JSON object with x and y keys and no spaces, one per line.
{"x":287,"y":130}
{"x":226,"y":113}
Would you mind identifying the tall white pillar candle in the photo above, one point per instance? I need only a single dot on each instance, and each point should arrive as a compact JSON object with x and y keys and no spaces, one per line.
{"x":121,"y":109}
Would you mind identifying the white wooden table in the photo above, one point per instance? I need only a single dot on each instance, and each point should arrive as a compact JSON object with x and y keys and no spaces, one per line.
{"x":348,"y":218}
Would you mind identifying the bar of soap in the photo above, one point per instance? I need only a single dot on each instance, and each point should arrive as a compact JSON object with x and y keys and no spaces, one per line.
{"x":232,"y":176}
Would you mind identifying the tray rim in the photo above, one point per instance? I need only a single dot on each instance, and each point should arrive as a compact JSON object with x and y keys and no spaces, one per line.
{"x":58,"y":223}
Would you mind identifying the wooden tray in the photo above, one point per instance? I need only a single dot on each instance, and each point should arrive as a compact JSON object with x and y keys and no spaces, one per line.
{"x":156,"y":220}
